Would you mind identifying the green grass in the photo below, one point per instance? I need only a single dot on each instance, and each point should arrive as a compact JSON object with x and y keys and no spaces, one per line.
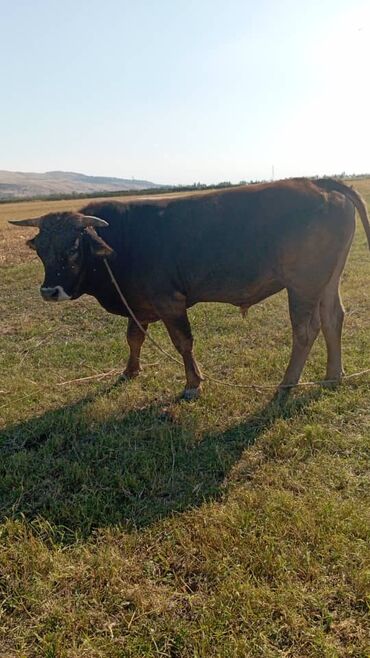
{"x":134,"y":525}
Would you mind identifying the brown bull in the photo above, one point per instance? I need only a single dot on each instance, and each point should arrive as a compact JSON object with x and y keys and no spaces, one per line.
{"x":237,"y":245}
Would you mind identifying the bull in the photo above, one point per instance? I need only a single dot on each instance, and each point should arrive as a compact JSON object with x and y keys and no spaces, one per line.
{"x":238,"y":245}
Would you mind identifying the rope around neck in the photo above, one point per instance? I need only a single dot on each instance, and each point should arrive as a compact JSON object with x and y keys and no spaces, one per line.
{"x":212,"y":379}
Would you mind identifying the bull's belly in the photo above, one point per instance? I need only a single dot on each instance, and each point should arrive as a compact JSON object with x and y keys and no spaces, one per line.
{"x":243,"y":296}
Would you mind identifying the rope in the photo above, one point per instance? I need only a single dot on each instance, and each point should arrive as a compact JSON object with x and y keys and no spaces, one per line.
{"x":210,"y":378}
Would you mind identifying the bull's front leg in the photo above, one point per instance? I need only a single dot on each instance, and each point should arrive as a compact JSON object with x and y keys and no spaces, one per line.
{"x":180,"y":333}
{"x":135,"y":339}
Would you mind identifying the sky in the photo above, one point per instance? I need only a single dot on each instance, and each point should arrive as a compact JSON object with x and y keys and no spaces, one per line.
{"x":183,"y":91}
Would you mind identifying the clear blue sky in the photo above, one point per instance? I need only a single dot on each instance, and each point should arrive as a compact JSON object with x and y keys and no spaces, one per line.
{"x":182,"y":91}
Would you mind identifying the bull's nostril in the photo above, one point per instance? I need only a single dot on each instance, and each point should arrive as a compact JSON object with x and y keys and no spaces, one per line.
{"x":54,"y":294}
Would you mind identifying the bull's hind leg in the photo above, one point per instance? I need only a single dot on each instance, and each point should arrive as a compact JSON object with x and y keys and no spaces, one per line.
{"x":135,"y":339}
{"x":332,"y":316}
{"x":305,"y":319}
{"x":180,"y":333}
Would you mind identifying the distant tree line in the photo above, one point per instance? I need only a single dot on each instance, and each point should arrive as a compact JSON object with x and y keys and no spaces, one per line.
{"x":145,"y":192}
{"x":168,"y":189}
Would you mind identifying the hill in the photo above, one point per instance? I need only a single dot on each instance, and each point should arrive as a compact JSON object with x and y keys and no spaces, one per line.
{"x":17,"y":184}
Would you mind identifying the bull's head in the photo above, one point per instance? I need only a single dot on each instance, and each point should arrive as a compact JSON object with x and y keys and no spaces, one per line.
{"x":67,"y":243}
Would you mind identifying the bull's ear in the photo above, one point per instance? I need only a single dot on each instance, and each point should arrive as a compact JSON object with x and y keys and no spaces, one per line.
{"x":31,"y":244}
{"x":35,"y":221}
{"x":98,"y":247}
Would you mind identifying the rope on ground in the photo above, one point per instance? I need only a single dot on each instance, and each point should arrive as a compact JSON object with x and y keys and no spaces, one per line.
{"x":210,"y":378}
{"x":102,"y":375}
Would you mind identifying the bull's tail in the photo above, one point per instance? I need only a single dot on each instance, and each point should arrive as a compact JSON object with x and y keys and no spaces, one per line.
{"x":331,"y":185}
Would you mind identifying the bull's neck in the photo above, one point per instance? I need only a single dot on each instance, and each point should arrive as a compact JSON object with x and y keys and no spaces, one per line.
{"x":98,"y":283}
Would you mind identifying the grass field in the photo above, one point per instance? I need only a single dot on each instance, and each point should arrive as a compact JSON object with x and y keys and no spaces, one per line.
{"x":134,"y":525}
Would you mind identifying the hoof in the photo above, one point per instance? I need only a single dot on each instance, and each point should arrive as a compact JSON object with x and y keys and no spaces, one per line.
{"x":129,"y":374}
{"x":191,"y":393}
{"x":332,"y":382}
{"x":282,"y":393}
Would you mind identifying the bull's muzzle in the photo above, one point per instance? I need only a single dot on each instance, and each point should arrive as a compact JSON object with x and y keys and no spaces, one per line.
{"x":56,"y":294}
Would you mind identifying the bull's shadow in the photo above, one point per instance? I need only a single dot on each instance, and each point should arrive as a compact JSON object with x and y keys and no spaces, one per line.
{"x":130,"y":470}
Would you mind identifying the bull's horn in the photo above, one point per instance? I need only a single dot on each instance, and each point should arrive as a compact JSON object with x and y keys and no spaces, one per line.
{"x":90,"y":220}
{"x":35,"y":221}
